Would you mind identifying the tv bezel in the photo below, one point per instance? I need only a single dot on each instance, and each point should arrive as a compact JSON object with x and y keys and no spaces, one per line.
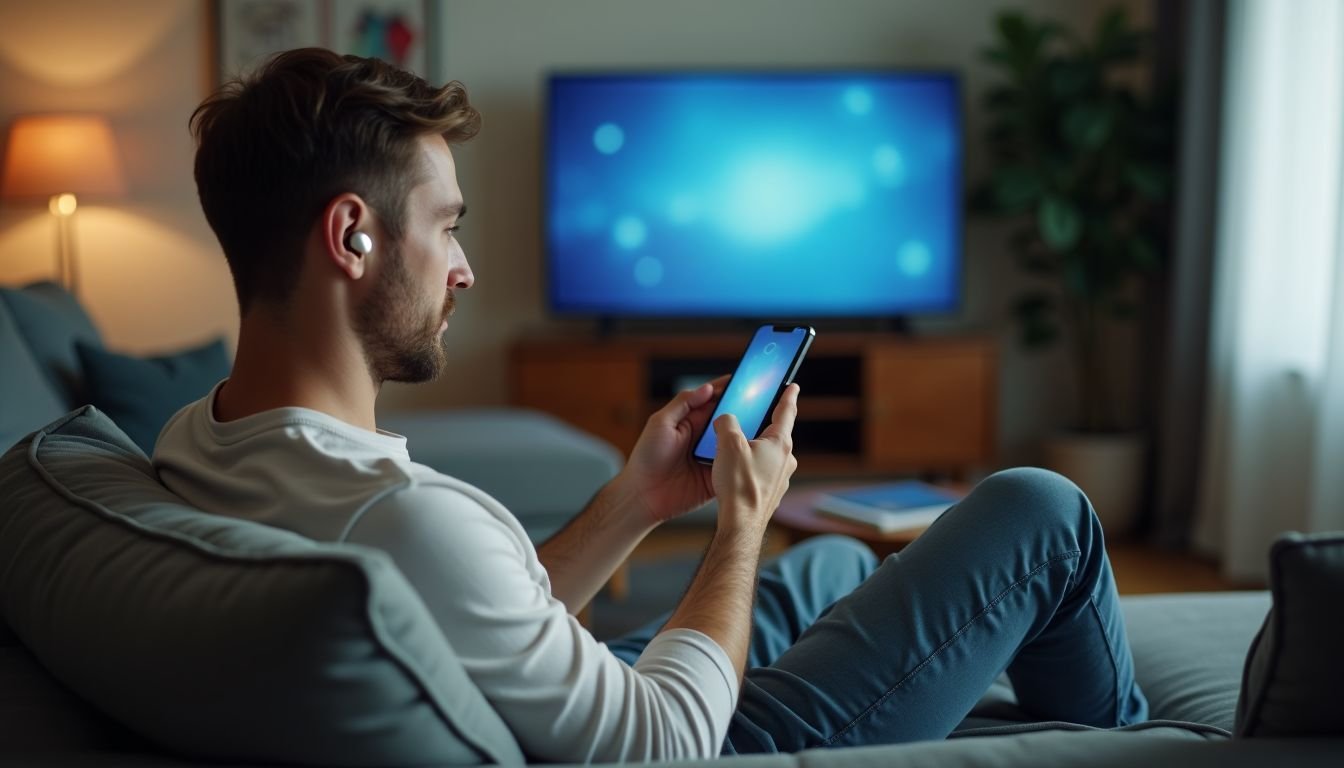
{"x":898,"y":320}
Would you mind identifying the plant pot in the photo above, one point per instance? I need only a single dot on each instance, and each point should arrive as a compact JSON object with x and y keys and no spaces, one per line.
{"x":1109,"y":469}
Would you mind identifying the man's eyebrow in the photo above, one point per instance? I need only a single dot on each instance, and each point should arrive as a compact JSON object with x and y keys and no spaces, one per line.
{"x":449,"y":211}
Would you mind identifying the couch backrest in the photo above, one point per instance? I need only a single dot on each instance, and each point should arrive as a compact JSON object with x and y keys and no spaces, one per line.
{"x":27,"y":399}
{"x":40,"y":375}
{"x":217,"y":637}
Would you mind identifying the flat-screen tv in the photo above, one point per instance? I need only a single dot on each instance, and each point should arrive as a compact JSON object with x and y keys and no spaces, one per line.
{"x":753,"y":195}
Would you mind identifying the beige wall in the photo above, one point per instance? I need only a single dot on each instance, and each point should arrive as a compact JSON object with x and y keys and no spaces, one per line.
{"x":502,"y":49}
{"x":153,"y":275}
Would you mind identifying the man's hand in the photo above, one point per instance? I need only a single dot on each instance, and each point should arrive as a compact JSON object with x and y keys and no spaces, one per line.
{"x":751,"y":476}
{"x":661,"y":476}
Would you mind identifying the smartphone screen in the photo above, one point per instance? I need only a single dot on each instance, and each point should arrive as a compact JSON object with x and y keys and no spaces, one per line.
{"x":769,"y":365}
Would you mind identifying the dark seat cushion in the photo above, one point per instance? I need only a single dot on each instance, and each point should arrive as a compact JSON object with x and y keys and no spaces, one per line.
{"x":1294,"y":674}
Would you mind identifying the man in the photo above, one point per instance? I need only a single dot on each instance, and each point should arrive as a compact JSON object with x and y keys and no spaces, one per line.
{"x":331,"y":186}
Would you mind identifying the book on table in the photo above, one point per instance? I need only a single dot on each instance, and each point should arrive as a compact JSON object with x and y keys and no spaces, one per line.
{"x":889,"y":507}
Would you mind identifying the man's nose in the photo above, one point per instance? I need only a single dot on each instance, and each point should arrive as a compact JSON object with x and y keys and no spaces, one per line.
{"x":461,"y":276}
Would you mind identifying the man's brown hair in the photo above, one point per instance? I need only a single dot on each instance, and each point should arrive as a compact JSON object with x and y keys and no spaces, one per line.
{"x":274,"y":148}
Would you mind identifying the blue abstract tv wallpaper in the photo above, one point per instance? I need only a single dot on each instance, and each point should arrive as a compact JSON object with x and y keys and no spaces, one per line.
{"x":754,"y":195}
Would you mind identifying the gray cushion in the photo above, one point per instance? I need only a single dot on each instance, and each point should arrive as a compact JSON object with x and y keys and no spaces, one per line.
{"x":1294,"y":675}
{"x":217,"y":637}
{"x":1189,"y":650}
{"x":1159,"y":746}
{"x":27,"y":398}
{"x":51,"y":321}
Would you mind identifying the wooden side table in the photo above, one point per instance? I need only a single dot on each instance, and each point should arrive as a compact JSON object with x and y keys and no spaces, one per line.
{"x":798,"y":519}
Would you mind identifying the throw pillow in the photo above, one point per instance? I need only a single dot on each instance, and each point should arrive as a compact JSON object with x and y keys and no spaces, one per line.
{"x":52,"y":322}
{"x":1293,"y":676}
{"x":27,"y":398}
{"x":141,"y":394}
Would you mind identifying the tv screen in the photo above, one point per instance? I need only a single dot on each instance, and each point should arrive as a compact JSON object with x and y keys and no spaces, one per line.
{"x":754,"y":194}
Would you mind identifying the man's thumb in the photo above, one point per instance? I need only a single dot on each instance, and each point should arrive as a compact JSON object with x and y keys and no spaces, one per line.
{"x":725,"y":424}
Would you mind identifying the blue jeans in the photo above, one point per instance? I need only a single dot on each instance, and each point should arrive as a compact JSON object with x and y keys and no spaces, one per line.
{"x":1013,"y":578}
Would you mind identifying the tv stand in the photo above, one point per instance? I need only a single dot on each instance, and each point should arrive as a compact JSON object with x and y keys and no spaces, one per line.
{"x":873,"y":404}
{"x":898,"y":325}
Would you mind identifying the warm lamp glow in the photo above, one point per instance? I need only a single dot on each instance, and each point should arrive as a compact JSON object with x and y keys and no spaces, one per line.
{"x":58,"y":157}
{"x":59,"y":154}
{"x":63,"y":205}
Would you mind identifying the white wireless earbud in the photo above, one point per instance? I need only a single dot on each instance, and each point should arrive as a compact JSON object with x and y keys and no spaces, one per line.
{"x":360,"y":243}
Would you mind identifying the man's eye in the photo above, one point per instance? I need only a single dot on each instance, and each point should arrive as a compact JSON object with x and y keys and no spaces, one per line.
{"x":453,"y":228}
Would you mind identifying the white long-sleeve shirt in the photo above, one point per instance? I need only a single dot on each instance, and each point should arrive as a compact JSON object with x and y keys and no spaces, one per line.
{"x":561,"y":692}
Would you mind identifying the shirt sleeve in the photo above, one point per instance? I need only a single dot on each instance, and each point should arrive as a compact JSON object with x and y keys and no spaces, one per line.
{"x":562,"y":693}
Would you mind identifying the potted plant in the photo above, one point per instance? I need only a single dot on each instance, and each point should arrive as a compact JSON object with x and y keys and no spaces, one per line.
{"x":1079,"y":160}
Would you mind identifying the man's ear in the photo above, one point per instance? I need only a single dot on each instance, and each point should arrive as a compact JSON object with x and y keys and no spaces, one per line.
{"x":346,"y":214}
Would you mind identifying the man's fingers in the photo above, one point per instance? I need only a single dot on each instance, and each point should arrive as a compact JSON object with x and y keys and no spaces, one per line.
{"x":686,"y":401}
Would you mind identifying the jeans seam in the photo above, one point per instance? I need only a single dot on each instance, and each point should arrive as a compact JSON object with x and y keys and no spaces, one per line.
{"x":1110,"y":652}
{"x":946,"y":644}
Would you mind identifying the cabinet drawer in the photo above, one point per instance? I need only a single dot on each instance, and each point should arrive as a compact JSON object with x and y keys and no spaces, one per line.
{"x":601,"y":396}
{"x":929,"y":408}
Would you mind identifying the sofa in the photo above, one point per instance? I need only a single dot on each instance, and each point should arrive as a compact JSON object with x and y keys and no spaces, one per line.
{"x":52,"y":360}
{"x":136,"y":630}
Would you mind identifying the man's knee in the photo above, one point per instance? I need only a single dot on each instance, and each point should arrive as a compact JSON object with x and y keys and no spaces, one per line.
{"x":1039,"y":497}
{"x":834,"y":554}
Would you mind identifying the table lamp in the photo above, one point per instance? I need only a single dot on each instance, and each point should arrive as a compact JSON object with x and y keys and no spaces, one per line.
{"x":58,"y":157}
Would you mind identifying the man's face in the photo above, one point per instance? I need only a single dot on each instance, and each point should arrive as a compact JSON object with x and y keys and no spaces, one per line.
{"x":402,"y":319}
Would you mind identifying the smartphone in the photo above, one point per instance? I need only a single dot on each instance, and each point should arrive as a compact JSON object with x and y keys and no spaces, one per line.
{"x":768,"y":366}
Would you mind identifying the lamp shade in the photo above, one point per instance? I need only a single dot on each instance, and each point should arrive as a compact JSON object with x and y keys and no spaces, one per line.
{"x":53,"y":154}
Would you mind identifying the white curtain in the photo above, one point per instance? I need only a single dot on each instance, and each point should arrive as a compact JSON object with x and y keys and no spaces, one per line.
{"x":1274,"y":439}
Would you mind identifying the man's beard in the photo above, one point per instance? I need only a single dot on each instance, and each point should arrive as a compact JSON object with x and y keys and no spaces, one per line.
{"x":398,"y":345}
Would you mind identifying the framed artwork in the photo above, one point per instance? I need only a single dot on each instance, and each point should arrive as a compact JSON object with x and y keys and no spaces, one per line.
{"x":251,"y":30}
{"x":396,"y":31}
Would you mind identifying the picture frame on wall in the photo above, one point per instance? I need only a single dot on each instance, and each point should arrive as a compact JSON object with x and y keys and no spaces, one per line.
{"x":248,"y":32}
{"x":396,"y":31}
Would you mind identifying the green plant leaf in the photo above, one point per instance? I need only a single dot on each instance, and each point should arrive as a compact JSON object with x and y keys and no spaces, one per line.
{"x":1148,"y":181}
{"x":1143,"y":255}
{"x":1059,"y":222}
{"x":1069,"y":79}
{"x":1124,"y":310}
{"x":1088,"y":125}
{"x":1013,"y":26}
{"x":1077,"y":280}
{"x":999,"y":56}
{"x":1016,"y":188}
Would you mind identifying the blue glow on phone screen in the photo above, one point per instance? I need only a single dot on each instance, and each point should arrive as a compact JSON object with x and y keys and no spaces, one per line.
{"x":753,"y":386}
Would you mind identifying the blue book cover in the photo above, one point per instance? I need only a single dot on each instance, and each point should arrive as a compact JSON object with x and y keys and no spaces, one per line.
{"x":891,"y":506}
